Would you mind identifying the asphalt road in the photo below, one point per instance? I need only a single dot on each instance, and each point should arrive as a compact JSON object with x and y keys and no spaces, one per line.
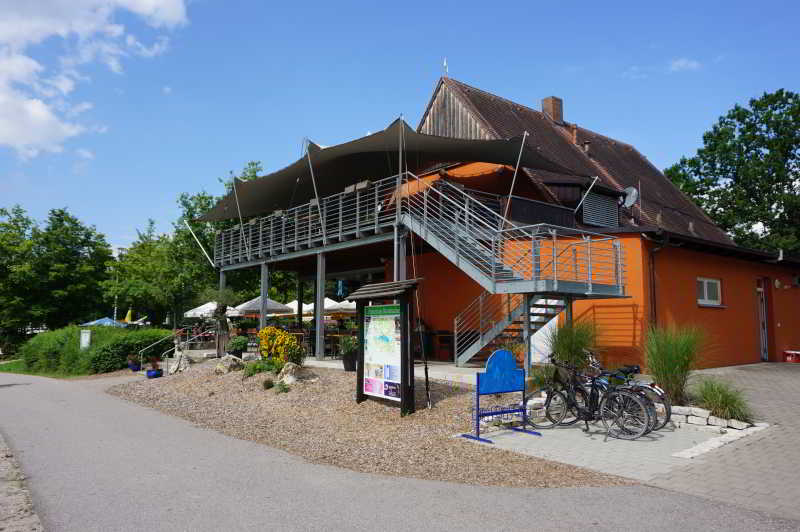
{"x":96,"y":462}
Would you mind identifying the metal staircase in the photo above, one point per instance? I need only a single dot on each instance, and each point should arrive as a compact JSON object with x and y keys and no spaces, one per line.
{"x":506,"y":258}
{"x":493,"y":320}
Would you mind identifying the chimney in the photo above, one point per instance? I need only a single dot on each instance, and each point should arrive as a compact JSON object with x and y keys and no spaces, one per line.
{"x":574,"y":130}
{"x":586,"y":144}
{"x":553,"y":107}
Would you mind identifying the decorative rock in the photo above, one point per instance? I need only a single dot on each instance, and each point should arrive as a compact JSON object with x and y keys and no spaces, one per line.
{"x":227,"y":364}
{"x":696,"y":420}
{"x":738,"y":425}
{"x":717,"y":421}
{"x":700,"y":412}
{"x":180,"y":365}
{"x":249,"y":357}
{"x":679,"y":419}
{"x":289,"y":373}
{"x":681,"y":410}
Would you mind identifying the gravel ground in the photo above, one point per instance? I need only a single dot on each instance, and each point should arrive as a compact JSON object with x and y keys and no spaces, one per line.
{"x":319,"y":420}
{"x":16,"y":508}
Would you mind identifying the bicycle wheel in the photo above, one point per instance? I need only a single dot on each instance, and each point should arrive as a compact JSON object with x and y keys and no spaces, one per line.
{"x":662,"y":403}
{"x":546,"y":413}
{"x":624,"y":415}
{"x":571,"y":414}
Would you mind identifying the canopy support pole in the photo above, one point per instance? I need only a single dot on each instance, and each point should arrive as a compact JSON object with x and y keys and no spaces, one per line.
{"x":316,"y":195}
{"x":262,"y":320}
{"x":514,"y":179}
{"x":241,"y":222}
{"x":319,"y":308}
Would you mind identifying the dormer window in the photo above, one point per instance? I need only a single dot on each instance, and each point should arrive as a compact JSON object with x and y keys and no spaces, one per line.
{"x":600,"y":210}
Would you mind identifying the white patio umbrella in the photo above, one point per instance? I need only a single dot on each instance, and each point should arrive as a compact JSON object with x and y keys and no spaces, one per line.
{"x":254,"y":305}
{"x":206,"y":310}
{"x":330,"y":306}
{"x":344,"y":306}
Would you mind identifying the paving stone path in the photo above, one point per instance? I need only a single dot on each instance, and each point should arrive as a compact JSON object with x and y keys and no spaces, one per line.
{"x":761,"y":471}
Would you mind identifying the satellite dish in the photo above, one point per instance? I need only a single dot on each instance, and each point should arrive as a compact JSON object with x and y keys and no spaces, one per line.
{"x":631,"y":195}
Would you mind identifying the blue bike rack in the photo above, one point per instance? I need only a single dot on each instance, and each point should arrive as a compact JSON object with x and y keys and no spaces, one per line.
{"x":501,"y":376}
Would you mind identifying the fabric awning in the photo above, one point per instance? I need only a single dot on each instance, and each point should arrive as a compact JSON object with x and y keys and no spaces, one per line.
{"x":371,"y":157}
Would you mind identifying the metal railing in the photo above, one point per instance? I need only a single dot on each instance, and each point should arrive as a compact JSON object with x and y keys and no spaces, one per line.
{"x":477,"y":238}
{"x":363,"y":209}
{"x":504,"y":252}
{"x":489,"y":315}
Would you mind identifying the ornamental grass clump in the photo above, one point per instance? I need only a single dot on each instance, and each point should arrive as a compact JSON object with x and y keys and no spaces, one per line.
{"x":723,"y":400}
{"x":672,"y":353}
{"x":570,"y":343}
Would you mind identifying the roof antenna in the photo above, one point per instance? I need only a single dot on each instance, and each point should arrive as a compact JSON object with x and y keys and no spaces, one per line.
{"x":444,"y":67}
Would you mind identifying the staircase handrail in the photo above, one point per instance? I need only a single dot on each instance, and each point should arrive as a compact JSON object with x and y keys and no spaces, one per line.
{"x":198,"y":335}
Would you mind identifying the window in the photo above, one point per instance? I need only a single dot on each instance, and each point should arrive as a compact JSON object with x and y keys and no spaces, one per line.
{"x":600,"y":210}
{"x":709,"y":291}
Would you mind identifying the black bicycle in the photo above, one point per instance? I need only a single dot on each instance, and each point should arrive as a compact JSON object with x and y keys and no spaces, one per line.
{"x":625,"y":414}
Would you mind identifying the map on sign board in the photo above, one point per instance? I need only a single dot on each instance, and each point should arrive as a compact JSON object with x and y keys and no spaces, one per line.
{"x":382,"y":351}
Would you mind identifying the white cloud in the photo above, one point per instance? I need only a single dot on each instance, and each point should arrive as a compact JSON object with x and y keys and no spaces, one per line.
{"x":683,"y":64}
{"x":166,"y":89}
{"x":35,"y":116}
{"x":83,"y":153}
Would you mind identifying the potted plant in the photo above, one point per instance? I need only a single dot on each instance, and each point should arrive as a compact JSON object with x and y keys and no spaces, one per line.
{"x":348,"y":348}
{"x":237,"y":345}
{"x":154,"y":372}
{"x":134,"y":363}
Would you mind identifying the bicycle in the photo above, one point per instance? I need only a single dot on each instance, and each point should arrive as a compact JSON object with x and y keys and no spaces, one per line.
{"x":624,"y":414}
{"x":661,"y":403}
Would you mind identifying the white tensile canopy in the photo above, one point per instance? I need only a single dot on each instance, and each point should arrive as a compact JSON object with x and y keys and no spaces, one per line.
{"x":344,"y":306}
{"x":254,"y":305}
{"x":330,"y":306}
{"x":206,"y":310}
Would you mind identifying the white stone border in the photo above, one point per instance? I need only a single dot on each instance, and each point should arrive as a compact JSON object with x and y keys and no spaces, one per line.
{"x":715,"y":443}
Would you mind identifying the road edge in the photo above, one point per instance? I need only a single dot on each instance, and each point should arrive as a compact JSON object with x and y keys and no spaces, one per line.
{"x":17,"y":512}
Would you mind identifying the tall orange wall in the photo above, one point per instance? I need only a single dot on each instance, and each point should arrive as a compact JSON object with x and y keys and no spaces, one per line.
{"x":622,"y":322}
{"x":445,"y":290}
{"x":732,"y":329}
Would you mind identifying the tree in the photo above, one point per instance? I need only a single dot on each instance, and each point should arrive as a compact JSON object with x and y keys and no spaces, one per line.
{"x":747,"y":174}
{"x":67,"y":262}
{"x":15,"y":274}
{"x":141,"y":277}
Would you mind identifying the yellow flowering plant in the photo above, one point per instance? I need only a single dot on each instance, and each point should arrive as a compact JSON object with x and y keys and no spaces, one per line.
{"x":277,"y":345}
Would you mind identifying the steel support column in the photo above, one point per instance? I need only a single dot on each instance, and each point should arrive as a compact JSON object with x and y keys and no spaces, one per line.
{"x":526,"y":332}
{"x":262,"y":321}
{"x":299,"y":294}
{"x":319,"y":308}
{"x":568,"y":310}
{"x":221,"y":280}
{"x":400,"y":241}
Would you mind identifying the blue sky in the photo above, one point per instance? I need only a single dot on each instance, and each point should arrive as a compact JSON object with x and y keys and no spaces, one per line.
{"x":114,"y":107}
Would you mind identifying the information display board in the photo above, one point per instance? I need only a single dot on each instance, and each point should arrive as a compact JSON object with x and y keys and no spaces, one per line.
{"x":382,"y":351}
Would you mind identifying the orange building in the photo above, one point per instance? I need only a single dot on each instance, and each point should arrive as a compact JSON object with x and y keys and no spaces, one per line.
{"x":514,"y":218}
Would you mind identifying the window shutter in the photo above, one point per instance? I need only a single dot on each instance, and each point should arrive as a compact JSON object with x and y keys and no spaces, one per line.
{"x":600,"y":210}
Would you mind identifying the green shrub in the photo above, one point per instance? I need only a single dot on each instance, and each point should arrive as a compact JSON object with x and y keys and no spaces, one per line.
{"x":723,"y":400}
{"x":114,"y":355}
{"x":237,"y":344}
{"x":295,"y":353}
{"x":540,"y":376}
{"x":275,"y":365}
{"x":671,"y":355}
{"x":268,"y":383}
{"x":570,"y":342}
{"x":248,"y":323}
{"x":281,"y":387}
{"x":59,"y":351}
{"x":253,"y":368}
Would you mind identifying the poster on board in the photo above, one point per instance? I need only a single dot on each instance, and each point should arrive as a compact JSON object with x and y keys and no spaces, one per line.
{"x":382,"y":351}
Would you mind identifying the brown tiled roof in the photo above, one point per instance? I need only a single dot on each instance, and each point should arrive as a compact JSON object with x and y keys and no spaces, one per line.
{"x":617,"y":164}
